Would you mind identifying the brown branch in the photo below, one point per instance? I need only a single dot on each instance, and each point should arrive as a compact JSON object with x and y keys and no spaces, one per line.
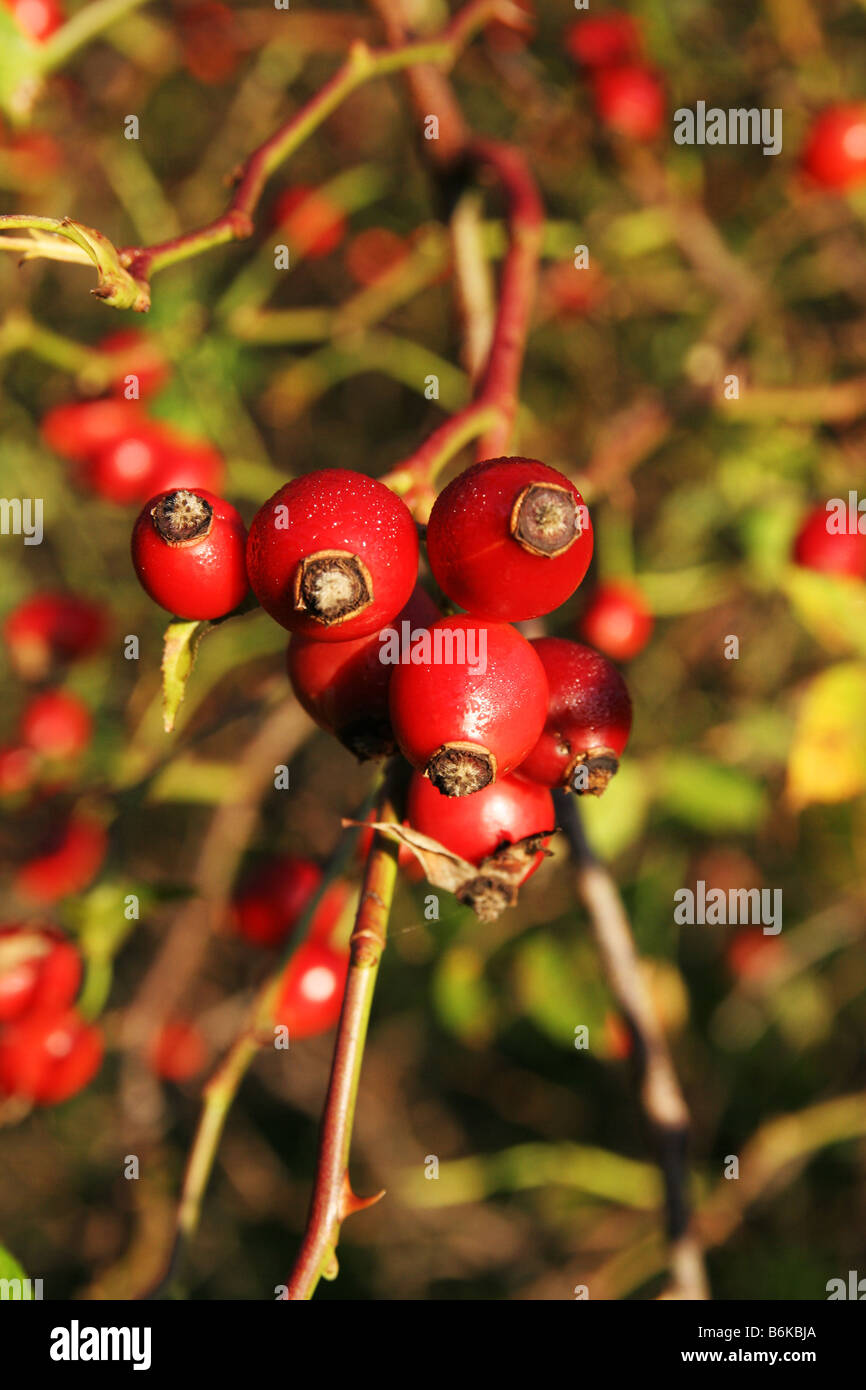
{"x":333,"y":1199}
{"x":661,"y":1098}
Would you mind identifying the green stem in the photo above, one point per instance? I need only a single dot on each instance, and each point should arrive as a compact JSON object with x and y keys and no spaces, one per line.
{"x":84,"y":25}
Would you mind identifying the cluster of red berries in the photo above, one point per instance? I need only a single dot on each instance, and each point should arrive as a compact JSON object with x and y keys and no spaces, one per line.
{"x":48,"y":1052}
{"x":43,"y":635}
{"x":114,"y":448}
{"x":267,"y":907}
{"x":476,"y":709}
{"x":628,"y":94}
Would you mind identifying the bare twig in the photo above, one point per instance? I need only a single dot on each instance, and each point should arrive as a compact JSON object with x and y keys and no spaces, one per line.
{"x":661,"y":1098}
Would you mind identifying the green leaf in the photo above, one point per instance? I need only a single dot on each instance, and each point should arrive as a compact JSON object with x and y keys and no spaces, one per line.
{"x":559,"y":989}
{"x":19,"y":68}
{"x":462,"y":997}
{"x":827,"y":759}
{"x":832,"y":607}
{"x":182,"y":640}
{"x":11,"y":1269}
{"x":615,"y":820}
{"x":708,"y":795}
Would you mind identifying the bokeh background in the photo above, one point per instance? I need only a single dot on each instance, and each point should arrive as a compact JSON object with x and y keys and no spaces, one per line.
{"x":740,"y":772}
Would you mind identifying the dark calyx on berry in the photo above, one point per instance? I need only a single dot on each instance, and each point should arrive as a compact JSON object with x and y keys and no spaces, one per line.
{"x":591,"y":771}
{"x":183,"y":517}
{"x":545,"y":519}
{"x":458,"y":769}
{"x":487,"y":896}
{"x":368,"y":738}
{"x":332,"y":585}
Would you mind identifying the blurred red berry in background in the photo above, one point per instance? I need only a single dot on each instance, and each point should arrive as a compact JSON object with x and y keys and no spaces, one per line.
{"x":834,"y":153}
{"x":816,"y":548}
{"x":48,"y":1056}
{"x":617,"y":621}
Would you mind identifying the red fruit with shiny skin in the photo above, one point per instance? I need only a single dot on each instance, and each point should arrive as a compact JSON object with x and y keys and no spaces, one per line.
{"x":178,"y":1052}
{"x":149,"y":459}
{"x":617,"y":621}
{"x":474,"y":826}
{"x":141,"y":358}
{"x":40,"y":969}
{"x":38,"y":19}
{"x":816,"y":548}
{"x":188,"y":549}
{"x":48,"y":1056}
{"x":509,"y":538}
{"x":834,"y":155}
{"x":53,"y":628}
{"x":630,"y":101}
{"x":78,"y":430}
{"x":333,"y":555}
{"x":56,"y":725}
{"x":272,"y":896}
{"x":311,"y":992}
{"x":70,"y":860}
{"x":588,"y":721}
{"x":463,"y":725}
{"x":344,"y":686}
{"x":314,"y":224}
{"x":604,"y":41}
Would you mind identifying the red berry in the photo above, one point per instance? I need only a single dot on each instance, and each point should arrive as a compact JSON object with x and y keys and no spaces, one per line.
{"x":604,"y":41}
{"x":630,"y":101}
{"x":834,"y":154}
{"x":188,"y":552}
{"x":752,"y":956}
{"x":272,"y":896}
{"x":334,"y":555}
{"x":372,"y":253}
{"x":142,"y":359}
{"x":509,"y":538}
{"x":311,"y":991}
{"x":56,"y":724}
{"x":618,"y":621}
{"x":832,"y":552}
{"x":178,"y":1051}
{"x":69,"y":861}
{"x":588,"y":721}
{"x":315,"y":226}
{"x":566,"y":292}
{"x":47,"y":1057}
{"x":18,"y":768}
{"x":149,"y":459}
{"x":471,"y":707}
{"x":343,"y":686}
{"x":211,"y":51}
{"x":52,"y":628}
{"x":39,"y":969}
{"x":473,"y":827}
{"x":80,"y":429}
{"x":38,"y":19}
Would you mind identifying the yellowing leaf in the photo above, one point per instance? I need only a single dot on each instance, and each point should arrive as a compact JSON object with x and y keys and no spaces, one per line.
{"x":832,"y":607}
{"x":827,"y":760}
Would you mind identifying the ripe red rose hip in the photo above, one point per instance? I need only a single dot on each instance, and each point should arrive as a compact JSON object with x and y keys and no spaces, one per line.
{"x":604,"y":41}
{"x":474,"y":827}
{"x":56,"y":725}
{"x":344,"y":686}
{"x":834,"y":154}
{"x":38,"y":19}
{"x":313,"y":223}
{"x":509,"y":538}
{"x":630,"y":100}
{"x":588,"y":721}
{"x":817,"y":548}
{"x":188,"y":550}
{"x":311,"y":991}
{"x":78,"y":430}
{"x":52,"y":628}
{"x":471,"y":704}
{"x":177,"y":1052}
{"x":70,"y":859}
{"x":333,"y":555}
{"x":272,"y":896}
{"x":48,"y":1056}
{"x":39,"y":969}
{"x":618,"y":621}
{"x":143,"y":370}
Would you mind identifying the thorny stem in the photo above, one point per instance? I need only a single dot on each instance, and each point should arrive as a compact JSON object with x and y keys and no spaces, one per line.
{"x":661,"y":1098}
{"x":333,"y":1199}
